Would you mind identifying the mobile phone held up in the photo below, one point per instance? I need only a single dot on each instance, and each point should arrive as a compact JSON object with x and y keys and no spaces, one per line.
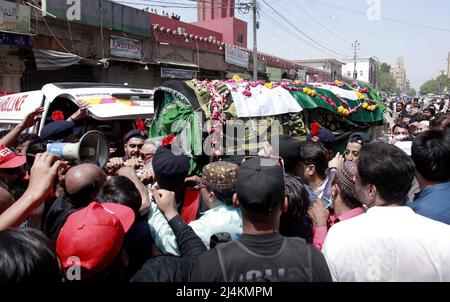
{"x":326,"y":202}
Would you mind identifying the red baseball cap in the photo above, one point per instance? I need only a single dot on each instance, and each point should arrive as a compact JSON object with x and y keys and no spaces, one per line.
{"x":9,"y":160}
{"x":94,"y":235}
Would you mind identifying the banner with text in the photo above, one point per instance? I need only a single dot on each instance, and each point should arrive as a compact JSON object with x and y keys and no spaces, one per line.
{"x":125,"y":48}
{"x":236,"y":56}
{"x":14,"y":17}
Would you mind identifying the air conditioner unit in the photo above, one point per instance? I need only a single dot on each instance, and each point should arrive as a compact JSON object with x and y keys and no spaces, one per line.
{"x":181,"y":30}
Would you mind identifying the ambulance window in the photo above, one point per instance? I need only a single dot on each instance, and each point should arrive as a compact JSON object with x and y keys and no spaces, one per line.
{"x":136,"y":98}
{"x":6,"y":126}
{"x":63,"y":105}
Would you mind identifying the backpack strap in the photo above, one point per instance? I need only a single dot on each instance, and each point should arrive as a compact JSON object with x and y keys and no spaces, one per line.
{"x":219,"y":249}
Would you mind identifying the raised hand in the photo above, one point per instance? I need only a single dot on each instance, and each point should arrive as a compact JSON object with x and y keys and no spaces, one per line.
{"x":166,"y":203}
{"x":32,"y":118}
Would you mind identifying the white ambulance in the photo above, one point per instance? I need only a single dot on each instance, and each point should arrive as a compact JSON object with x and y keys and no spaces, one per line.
{"x":111,"y":107}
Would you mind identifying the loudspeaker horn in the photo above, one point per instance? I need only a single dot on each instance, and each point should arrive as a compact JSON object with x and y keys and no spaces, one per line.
{"x":93,"y":148}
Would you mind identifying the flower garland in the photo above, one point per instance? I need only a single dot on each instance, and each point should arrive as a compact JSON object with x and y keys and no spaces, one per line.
{"x":328,"y":100}
{"x":370,"y":107}
{"x":218,"y":100}
{"x":367,"y":104}
{"x":294,"y":86}
{"x":218,"y":118}
{"x":346,"y":112}
{"x":268,"y":85}
{"x":364,"y":90}
{"x":310,"y":92}
{"x":342,"y":100}
{"x":337,"y":83}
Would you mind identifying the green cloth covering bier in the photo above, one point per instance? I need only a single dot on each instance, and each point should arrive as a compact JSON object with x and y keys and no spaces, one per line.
{"x":361,"y":115}
{"x":182,"y":106}
{"x":172,"y":117}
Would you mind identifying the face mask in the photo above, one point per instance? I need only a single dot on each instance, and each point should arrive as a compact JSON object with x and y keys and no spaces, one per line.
{"x":400,"y":137}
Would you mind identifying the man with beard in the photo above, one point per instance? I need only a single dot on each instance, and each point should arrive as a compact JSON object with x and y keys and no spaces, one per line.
{"x":134,"y":141}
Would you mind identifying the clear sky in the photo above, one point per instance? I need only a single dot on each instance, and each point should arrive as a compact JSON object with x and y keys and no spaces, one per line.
{"x":336,"y":24}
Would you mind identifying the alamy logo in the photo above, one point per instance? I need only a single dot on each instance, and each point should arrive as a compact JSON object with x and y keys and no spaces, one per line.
{"x":73,"y":273}
{"x":234,"y":137}
{"x":374,"y":11}
{"x":73,"y":10}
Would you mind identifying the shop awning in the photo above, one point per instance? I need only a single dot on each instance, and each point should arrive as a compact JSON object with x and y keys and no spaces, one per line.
{"x":53,"y":60}
{"x":177,"y":63}
{"x":130,"y":61}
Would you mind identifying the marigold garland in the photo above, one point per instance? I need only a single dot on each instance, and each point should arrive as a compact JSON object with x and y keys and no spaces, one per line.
{"x":218,"y":100}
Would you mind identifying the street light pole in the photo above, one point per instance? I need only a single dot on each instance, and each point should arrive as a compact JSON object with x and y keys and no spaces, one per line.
{"x":378,"y":67}
{"x":356,"y":47}
{"x":255,"y":44}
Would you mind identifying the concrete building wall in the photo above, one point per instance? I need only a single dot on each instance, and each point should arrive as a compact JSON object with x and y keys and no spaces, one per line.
{"x":448,"y":65}
{"x":215,"y":9}
{"x":333,"y":67}
{"x":133,"y":74}
{"x":167,"y":22}
{"x":11,"y":69}
{"x":318,"y":65}
{"x":231,"y":28}
{"x":362,"y":68}
{"x":399,"y":73}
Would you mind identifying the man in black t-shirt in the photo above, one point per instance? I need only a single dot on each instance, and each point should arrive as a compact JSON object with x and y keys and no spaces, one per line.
{"x":262,"y":254}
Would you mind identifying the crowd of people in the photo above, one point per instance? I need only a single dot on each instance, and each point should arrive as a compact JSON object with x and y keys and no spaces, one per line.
{"x":412,"y":118}
{"x":378,"y":212}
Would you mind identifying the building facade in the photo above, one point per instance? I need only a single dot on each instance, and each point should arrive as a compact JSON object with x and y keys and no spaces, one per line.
{"x":330,"y":66}
{"x":399,"y":73}
{"x":218,"y":15}
{"x":15,"y":23}
{"x":448,"y":65}
{"x":113,"y":43}
{"x":366,"y":70}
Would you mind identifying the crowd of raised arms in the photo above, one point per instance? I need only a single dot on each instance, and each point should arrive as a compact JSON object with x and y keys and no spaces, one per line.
{"x":378,"y":212}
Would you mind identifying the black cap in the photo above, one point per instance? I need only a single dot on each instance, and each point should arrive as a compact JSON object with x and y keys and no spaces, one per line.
{"x":57,"y":130}
{"x":360,"y":138}
{"x":168,"y":164}
{"x":260,"y":185}
{"x":288,"y":148}
{"x":135,"y":133}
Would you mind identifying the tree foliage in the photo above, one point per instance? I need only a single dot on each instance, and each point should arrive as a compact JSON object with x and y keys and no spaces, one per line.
{"x":386,"y":81}
{"x":430,"y":86}
{"x":411,"y":92}
{"x":436,"y":86}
